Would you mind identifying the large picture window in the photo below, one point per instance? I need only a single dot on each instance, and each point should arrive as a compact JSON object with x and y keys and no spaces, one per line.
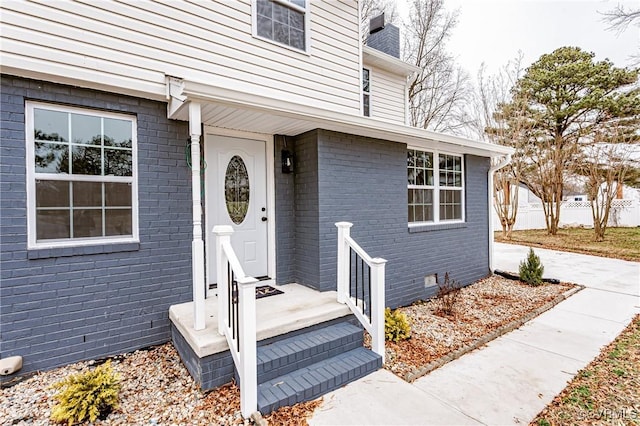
{"x":435,"y":187}
{"x":81,"y":176}
{"x":282,"y":21}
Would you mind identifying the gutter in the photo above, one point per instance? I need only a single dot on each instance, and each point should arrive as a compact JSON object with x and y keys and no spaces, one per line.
{"x":492,"y":170}
{"x":320,"y":118}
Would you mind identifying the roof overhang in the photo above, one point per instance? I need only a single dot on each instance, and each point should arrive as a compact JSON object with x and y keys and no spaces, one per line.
{"x":371,"y":56}
{"x":232,"y":109}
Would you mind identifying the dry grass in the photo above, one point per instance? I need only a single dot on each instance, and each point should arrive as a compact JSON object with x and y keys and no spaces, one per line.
{"x":481,"y":308}
{"x":619,"y":243}
{"x":607,"y":391}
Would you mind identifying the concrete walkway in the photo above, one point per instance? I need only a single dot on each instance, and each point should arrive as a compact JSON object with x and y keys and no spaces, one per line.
{"x":514,"y":377}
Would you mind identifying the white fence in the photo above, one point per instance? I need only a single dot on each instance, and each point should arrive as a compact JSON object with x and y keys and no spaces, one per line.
{"x":574,"y":213}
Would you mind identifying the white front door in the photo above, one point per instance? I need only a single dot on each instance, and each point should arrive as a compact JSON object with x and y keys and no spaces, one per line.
{"x":236,"y":185}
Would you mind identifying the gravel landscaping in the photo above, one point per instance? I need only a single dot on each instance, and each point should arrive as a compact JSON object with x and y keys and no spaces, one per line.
{"x":157,"y":389}
{"x":484,"y":310}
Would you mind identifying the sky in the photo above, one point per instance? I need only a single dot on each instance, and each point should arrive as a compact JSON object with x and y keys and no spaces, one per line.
{"x":493,"y":31}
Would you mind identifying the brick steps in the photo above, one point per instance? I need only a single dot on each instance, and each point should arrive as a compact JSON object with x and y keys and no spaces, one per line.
{"x":306,"y":366}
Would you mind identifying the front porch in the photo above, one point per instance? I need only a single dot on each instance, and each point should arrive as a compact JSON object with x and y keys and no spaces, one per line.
{"x":307,"y":344}
{"x":298,"y":307}
{"x":285,"y":348}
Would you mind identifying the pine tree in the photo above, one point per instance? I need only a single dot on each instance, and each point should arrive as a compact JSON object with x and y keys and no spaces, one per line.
{"x":531,"y":269}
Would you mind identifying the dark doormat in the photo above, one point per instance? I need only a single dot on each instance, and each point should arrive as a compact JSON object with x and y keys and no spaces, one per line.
{"x":266,"y":291}
{"x":261,"y":291}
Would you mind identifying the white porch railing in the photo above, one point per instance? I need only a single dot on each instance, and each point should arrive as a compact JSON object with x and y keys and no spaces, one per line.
{"x":360,"y":288}
{"x":237,"y":317}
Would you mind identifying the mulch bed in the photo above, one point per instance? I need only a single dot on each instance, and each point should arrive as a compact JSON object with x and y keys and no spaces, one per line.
{"x":483,"y":311}
{"x":607,"y":391}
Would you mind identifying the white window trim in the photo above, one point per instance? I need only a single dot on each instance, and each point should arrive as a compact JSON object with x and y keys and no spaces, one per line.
{"x":436,"y":188}
{"x":307,"y":27}
{"x":32,"y":243}
{"x":362,"y":92}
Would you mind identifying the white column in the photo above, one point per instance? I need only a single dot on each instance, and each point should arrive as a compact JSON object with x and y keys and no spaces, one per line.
{"x":344,"y":230}
{"x":197,"y":245}
{"x":223,"y":235}
{"x":377,"y":305}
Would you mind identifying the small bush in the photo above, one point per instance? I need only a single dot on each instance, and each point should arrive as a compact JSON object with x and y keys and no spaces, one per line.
{"x":448,"y":296}
{"x":86,"y":396}
{"x":531,"y":269}
{"x":396,"y":325}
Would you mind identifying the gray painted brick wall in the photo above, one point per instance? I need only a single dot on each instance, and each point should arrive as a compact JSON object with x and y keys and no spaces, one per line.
{"x":307,"y":235}
{"x":63,"y":305}
{"x":285,"y":214}
{"x":363,"y":181}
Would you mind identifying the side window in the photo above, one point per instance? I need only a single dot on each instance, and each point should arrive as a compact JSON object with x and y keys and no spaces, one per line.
{"x":450,"y":170}
{"x":435,"y":185}
{"x":366,"y":92}
{"x":282,"y":21}
{"x":81,"y":176}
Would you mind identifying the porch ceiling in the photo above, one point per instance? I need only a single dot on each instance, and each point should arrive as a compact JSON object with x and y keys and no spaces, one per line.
{"x":233,"y":109}
{"x":229,"y":117}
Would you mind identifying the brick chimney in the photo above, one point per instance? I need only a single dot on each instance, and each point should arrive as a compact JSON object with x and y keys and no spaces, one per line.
{"x":384,"y":37}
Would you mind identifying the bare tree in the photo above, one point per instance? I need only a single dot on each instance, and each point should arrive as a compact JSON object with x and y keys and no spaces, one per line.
{"x":619,"y":18}
{"x":605,"y":162}
{"x":372,"y":8}
{"x":511,"y":129}
{"x":440,"y":92}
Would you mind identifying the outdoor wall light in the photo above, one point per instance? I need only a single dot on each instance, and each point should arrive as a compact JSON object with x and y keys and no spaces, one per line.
{"x":287,"y":161}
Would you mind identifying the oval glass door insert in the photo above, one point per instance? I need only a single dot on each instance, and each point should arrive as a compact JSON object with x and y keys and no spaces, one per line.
{"x":236,"y":189}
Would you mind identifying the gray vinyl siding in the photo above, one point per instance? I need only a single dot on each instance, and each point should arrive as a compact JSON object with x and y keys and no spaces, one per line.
{"x":67,"y":304}
{"x":363,"y":181}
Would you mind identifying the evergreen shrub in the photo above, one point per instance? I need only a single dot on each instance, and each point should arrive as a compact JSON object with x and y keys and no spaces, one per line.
{"x":86,"y":396}
{"x":531,"y":269}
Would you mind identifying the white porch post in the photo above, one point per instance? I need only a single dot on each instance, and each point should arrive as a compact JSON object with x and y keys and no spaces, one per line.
{"x":223,"y":234}
{"x":197,"y":245}
{"x":247,"y":342}
{"x":344,"y":230}
{"x":377,"y":305}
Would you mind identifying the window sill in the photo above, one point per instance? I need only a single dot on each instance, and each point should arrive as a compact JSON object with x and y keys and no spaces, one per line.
{"x":105,"y":248}
{"x":286,"y":46}
{"x":413,"y":229}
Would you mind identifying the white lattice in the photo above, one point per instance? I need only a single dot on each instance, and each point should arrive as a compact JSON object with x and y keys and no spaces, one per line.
{"x":576,"y":204}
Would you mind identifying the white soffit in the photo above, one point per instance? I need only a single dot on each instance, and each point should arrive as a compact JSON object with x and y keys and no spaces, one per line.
{"x":236,"y":110}
{"x":371,"y":56}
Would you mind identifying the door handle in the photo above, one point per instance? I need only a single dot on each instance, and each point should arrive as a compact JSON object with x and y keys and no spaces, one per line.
{"x":264,"y":218}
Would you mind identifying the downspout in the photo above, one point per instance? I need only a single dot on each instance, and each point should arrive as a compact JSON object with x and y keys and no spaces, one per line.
{"x":492,"y":170}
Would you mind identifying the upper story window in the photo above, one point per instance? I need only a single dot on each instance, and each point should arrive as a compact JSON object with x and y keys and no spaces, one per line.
{"x":282,"y":21}
{"x":435,"y":187}
{"x":81,"y":176}
{"x":366,"y":92}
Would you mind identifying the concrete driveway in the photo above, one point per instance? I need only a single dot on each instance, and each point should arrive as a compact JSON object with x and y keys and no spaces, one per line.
{"x":515,"y":376}
{"x":602,"y":273}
